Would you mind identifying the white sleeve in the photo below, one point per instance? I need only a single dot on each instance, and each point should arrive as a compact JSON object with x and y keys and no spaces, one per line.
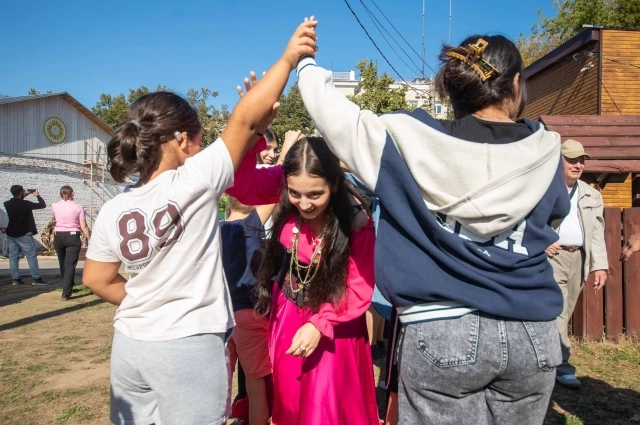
{"x":99,"y":248}
{"x":356,"y":137}
{"x":212,"y":167}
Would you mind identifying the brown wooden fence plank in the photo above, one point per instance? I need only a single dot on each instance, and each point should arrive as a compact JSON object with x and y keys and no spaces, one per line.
{"x":631,"y":286}
{"x":593,"y":311}
{"x":613,"y":299}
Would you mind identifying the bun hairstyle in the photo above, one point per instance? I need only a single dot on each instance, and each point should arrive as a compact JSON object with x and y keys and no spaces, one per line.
{"x":458,"y":81}
{"x":153,"y":120}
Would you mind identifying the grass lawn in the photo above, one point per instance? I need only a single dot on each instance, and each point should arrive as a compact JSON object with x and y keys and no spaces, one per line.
{"x":54,"y":365}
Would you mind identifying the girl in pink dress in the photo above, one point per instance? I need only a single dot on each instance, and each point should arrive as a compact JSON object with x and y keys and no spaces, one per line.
{"x":316,"y":278}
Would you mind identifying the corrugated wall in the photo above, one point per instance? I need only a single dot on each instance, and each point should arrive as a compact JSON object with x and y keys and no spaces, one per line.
{"x":568,"y":87}
{"x":620,"y":72}
{"x":21,"y":129}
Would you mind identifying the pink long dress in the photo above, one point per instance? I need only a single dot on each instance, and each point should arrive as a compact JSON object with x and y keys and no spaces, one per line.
{"x":334,"y":385}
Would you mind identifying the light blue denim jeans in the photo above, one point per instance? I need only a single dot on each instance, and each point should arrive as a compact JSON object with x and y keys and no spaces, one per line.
{"x":477,"y":369}
{"x":27,"y":245}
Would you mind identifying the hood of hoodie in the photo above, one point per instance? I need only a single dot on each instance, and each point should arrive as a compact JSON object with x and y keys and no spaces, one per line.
{"x":487,"y":188}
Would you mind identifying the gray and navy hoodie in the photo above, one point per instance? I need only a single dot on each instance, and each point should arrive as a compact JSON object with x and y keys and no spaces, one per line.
{"x":463,"y":225}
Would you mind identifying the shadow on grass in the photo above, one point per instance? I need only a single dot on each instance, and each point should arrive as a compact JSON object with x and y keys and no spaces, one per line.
{"x":50,"y":314}
{"x":596,"y":403}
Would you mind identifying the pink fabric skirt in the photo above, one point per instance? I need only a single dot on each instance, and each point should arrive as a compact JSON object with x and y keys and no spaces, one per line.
{"x":334,"y":385}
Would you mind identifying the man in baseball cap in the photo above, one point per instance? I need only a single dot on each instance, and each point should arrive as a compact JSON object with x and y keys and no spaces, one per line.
{"x":580,"y":249}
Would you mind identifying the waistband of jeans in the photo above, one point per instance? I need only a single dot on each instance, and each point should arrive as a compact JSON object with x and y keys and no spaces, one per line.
{"x":65,"y":232}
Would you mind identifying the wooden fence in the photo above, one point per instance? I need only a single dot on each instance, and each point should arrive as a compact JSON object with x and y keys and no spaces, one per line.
{"x":615,"y":310}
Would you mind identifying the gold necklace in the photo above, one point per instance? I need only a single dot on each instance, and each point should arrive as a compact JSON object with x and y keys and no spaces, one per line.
{"x":310,"y":270}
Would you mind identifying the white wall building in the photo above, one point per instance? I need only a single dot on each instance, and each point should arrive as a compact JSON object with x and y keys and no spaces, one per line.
{"x":48,"y":141}
{"x":420,"y":92}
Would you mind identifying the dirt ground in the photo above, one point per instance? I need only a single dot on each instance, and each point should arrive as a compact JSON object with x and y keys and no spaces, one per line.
{"x":54,"y":365}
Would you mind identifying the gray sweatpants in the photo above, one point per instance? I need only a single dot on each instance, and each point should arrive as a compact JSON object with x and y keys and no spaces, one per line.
{"x":184,"y":381}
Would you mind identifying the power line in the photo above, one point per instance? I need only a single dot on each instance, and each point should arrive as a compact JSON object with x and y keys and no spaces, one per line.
{"x":378,"y":25}
{"x":403,"y":39}
{"x":614,"y":102}
{"x":421,"y":92}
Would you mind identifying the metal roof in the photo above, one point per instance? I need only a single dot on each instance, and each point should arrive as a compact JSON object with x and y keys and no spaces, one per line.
{"x":66,"y":96}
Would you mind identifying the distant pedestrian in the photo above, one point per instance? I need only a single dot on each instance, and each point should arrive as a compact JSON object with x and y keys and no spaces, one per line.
{"x":70,"y":218}
{"x":20,"y":231}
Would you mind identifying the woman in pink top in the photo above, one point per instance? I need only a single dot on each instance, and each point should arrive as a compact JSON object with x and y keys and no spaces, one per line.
{"x":322,"y":261}
{"x":70,"y":218}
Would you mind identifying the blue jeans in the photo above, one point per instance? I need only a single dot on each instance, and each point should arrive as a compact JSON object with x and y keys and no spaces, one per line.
{"x":477,"y":369}
{"x":28,"y":247}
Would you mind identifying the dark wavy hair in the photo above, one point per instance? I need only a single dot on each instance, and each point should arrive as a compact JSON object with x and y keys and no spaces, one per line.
{"x":311,"y":155}
{"x":136,"y":148}
{"x":467,"y":93}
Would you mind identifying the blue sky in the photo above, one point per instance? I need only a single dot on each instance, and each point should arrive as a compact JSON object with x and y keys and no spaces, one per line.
{"x":90,"y":47}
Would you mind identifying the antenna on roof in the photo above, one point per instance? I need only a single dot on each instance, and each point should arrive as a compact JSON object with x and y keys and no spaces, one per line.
{"x":450,"y":22}
{"x":423,"y":39}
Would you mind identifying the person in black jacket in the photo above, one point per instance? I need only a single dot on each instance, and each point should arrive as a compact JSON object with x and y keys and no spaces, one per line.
{"x":20,"y":231}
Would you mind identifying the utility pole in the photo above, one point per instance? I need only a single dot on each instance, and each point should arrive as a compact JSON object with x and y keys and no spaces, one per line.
{"x":423,"y":51}
{"x":450,"y":22}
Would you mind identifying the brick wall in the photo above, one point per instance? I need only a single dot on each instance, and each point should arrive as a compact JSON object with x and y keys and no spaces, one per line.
{"x":48,"y":175}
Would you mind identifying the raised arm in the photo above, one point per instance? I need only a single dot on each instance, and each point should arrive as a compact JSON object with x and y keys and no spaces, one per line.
{"x":356,"y":137}
{"x":256,"y":109}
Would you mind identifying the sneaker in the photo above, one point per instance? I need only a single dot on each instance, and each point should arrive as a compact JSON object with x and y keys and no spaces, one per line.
{"x":568,"y":381}
{"x":66,"y":297}
{"x":17,"y":282}
{"x":39,"y":282}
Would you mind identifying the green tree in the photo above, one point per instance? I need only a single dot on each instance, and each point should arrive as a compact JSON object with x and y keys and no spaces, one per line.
{"x":34,"y":92}
{"x":375,"y":93}
{"x":112,"y":109}
{"x":292,"y":115}
{"x":571,"y":15}
{"x":213,"y":120}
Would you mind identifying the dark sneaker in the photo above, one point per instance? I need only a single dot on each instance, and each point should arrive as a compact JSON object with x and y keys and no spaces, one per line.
{"x":66,"y":297}
{"x":39,"y":282}
{"x":17,"y":282}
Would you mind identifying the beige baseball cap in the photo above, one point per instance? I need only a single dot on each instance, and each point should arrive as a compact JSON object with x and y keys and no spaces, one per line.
{"x":573,"y":149}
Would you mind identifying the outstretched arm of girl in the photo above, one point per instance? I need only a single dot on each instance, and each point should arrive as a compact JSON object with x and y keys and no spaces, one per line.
{"x":257,"y":108}
{"x":261,"y":186}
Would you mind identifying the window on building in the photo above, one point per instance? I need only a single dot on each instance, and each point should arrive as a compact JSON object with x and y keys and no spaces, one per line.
{"x":413,"y":103}
{"x":438,"y":108}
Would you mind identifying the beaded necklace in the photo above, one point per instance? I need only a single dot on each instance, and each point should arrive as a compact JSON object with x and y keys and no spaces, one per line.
{"x":310,"y":270}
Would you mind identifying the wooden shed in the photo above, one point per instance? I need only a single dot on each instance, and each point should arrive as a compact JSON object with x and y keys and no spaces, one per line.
{"x":571,"y":89}
{"x":597,"y":72}
{"x":614,"y":144}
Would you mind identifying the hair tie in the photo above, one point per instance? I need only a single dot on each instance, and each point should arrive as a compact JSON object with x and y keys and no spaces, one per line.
{"x":136,"y":123}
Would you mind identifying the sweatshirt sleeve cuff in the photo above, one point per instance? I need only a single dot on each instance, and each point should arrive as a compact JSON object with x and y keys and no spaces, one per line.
{"x":322,"y":325}
{"x":304,"y":62}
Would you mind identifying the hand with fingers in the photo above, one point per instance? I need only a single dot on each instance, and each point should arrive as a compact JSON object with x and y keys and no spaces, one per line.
{"x":305,"y":341}
{"x":249,"y":83}
{"x":553,"y":249}
{"x":632,"y":245}
{"x":303,"y":43}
